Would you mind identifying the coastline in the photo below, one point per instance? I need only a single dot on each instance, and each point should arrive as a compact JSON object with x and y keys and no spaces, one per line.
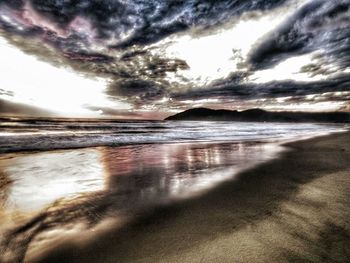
{"x":51,"y":138}
{"x":292,"y":209}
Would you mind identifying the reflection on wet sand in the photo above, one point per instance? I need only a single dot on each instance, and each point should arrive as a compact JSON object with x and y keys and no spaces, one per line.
{"x":174,"y":171}
{"x":52,"y":196}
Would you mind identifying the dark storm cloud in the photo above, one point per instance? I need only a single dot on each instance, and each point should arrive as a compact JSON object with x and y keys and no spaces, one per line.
{"x":137,"y":89}
{"x":6,"y":92}
{"x":143,"y":21}
{"x":120,"y":23}
{"x":320,"y":25}
{"x":162,"y":18}
{"x":140,"y":93}
{"x":90,"y":57}
{"x":18,"y":4}
{"x":267,"y":90}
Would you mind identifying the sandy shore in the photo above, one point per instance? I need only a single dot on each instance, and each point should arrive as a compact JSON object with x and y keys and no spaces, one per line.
{"x":294,"y":209}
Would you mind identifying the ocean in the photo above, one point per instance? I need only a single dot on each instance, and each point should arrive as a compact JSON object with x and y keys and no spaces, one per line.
{"x":39,"y":135}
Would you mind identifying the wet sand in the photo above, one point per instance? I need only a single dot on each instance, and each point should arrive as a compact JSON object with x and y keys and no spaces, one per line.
{"x":294,"y":209}
{"x":74,"y":195}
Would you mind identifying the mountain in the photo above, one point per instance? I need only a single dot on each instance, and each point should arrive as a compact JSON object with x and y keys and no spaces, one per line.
{"x":258,"y":115}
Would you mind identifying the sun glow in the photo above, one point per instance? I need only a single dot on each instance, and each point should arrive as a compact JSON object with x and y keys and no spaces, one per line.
{"x":30,"y":81}
{"x":307,"y":106}
{"x":290,"y":69}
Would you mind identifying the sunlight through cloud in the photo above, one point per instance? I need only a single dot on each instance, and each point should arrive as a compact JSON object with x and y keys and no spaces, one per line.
{"x":40,"y":84}
{"x":215,"y":56}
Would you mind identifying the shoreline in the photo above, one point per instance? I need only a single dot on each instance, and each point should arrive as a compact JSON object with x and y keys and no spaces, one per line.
{"x":116,"y":137}
{"x":292,"y":209}
{"x":276,"y":140}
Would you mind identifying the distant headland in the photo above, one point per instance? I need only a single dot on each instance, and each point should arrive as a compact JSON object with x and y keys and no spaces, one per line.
{"x":259,"y":115}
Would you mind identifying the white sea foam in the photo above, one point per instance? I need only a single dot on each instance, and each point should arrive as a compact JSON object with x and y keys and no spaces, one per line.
{"x":45,"y":135}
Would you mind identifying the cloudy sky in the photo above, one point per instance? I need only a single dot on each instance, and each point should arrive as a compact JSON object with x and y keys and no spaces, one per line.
{"x":149,"y":59}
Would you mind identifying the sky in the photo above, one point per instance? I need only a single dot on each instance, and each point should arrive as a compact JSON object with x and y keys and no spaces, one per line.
{"x":141,"y":59}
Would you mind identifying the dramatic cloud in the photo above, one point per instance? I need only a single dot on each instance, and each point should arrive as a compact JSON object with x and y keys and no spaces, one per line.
{"x":319,"y":26}
{"x":163,"y":56}
{"x":227,"y":92}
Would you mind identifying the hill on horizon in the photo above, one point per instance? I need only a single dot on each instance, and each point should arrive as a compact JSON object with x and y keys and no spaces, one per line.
{"x":259,"y":115}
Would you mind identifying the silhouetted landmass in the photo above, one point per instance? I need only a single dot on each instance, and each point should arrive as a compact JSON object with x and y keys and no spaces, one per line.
{"x":258,"y":115}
